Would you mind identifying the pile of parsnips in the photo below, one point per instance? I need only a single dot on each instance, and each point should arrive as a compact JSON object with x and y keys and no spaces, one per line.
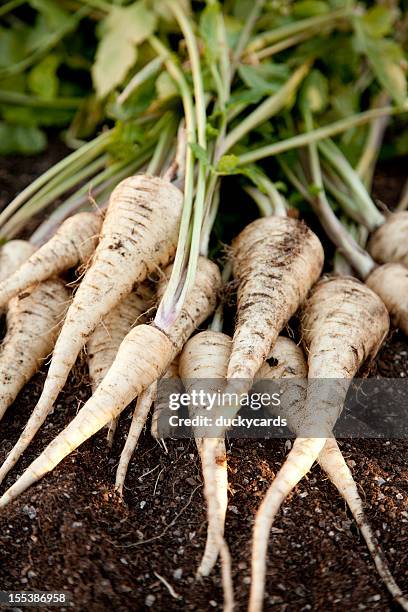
{"x":276,"y":261}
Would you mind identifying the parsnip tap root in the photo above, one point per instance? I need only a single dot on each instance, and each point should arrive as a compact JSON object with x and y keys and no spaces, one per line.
{"x":344,"y":323}
{"x":390,"y":282}
{"x":276,"y":260}
{"x":203,"y":366}
{"x":333,"y":463}
{"x":33,"y":321}
{"x":106,"y":338}
{"x":12,"y":255}
{"x":174,"y":385}
{"x":72,"y":244}
{"x":144,"y":355}
{"x":139,"y":234}
{"x":290,"y":362}
{"x":389,"y":242}
{"x":140,"y":414}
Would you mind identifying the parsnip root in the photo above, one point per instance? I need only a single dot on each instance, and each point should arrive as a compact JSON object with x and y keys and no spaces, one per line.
{"x":104,"y":342}
{"x":33,"y":321}
{"x":344,"y":323}
{"x":144,"y":355}
{"x":73,"y":243}
{"x":276,"y":260}
{"x":390,"y":282}
{"x":389,"y":242}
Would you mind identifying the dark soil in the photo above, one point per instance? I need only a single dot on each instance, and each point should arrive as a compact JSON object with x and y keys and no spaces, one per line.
{"x":70,"y":532}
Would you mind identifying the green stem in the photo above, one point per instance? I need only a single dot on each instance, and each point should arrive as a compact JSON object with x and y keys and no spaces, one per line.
{"x":79,"y":200}
{"x":261,"y":200}
{"x":82,"y":156}
{"x":246,"y":33}
{"x":278,"y":202}
{"x":336,"y":187}
{"x":194,"y":56}
{"x":373,"y":218}
{"x":167,"y":303}
{"x":366,"y":164}
{"x":284,"y":32}
{"x":359,"y":259}
{"x":161,"y":149}
{"x":267,"y":109}
{"x":148,"y":71}
{"x":302,"y":140}
{"x":13,"y":97}
{"x":12,"y":227}
{"x":55,"y":188}
{"x":10,"y":6}
{"x":167,"y":318}
{"x":281,"y":46}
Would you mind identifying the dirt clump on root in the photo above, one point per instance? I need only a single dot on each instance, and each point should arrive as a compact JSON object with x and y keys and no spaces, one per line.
{"x":71,"y":532}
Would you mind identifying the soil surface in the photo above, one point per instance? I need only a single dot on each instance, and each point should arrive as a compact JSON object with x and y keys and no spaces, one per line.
{"x":72,"y":533}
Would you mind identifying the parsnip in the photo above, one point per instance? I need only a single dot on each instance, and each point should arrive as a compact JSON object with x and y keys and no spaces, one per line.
{"x":344,"y":323}
{"x":73,"y":243}
{"x":172,"y":376}
{"x":203,"y":366}
{"x":33,"y":321}
{"x":275,"y":260}
{"x":290,"y":364}
{"x":388,"y":244}
{"x":139,"y":233}
{"x":144,"y":355}
{"x":390,"y":282}
{"x":12,"y":255}
{"x":104,"y":342}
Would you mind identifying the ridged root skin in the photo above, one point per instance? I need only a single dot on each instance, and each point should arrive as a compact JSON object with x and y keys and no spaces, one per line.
{"x":289,"y":362}
{"x":332,"y":462}
{"x":390,"y":282}
{"x":73,"y":243}
{"x":140,"y":414}
{"x":106,"y":338}
{"x":389,"y":242}
{"x":275,"y":260}
{"x":203,"y":366}
{"x":144,"y":355}
{"x":173,"y":385}
{"x":344,"y":324}
{"x":33,"y":321}
{"x":139,"y":234}
{"x":296,"y":466}
{"x":12,"y":255}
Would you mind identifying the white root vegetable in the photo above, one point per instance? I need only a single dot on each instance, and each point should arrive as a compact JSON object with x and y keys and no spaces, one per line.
{"x":276,"y":260}
{"x":290,"y":363}
{"x":203,"y":367}
{"x":140,"y":414}
{"x":390,"y":282}
{"x":138,"y":234}
{"x":333,"y":463}
{"x":12,"y":255}
{"x":144,"y":355}
{"x":73,"y":243}
{"x":388,"y":244}
{"x":33,"y":321}
{"x":104,"y":342}
{"x":344,"y":323}
{"x":174,"y":385}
